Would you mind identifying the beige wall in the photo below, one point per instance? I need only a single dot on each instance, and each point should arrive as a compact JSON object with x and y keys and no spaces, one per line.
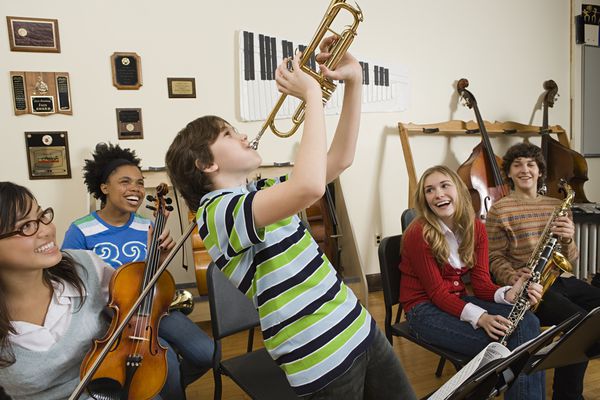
{"x":505,"y":48}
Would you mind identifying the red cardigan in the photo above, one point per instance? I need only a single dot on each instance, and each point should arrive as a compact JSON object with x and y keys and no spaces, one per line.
{"x":422,"y":280}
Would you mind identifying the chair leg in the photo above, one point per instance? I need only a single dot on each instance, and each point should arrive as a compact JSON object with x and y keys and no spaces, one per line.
{"x":440,"y":367}
{"x":218,"y":387}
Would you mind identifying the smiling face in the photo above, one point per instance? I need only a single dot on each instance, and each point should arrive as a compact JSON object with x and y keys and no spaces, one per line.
{"x":35,"y":252}
{"x":124,"y":189}
{"x":524,"y":173}
{"x":441,"y":196}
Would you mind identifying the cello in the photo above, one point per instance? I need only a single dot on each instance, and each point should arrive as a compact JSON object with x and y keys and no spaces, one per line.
{"x":561,"y":162}
{"x":481,"y":172}
{"x":129,"y":363}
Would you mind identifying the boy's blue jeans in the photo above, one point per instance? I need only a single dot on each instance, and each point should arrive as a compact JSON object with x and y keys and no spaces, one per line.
{"x":375,"y":374}
{"x":432,"y":325}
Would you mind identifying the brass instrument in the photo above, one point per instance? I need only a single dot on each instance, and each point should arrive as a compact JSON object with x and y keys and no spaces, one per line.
{"x":546,"y":263}
{"x":337,"y":50}
{"x":182,"y":301}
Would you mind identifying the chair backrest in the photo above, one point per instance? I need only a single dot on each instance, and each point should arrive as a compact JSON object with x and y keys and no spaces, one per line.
{"x":407,"y":217}
{"x":230,"y":310}
{"x":389,"y":260}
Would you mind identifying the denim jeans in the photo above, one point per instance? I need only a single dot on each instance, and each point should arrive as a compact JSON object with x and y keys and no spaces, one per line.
{"x":375,"y":374}
{"x":437,"y":327}
{"x":186,"y":339}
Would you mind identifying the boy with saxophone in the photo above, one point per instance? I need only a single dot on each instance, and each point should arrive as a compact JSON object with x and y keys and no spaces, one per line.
{"x":313,"y":326}
{"x":514,"y":225}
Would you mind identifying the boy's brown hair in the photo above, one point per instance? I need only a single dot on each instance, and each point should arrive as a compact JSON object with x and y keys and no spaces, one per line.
{"x":191,"y":147}
{"x":526,"y":150}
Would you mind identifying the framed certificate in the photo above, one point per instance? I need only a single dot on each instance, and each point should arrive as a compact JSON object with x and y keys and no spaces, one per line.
{"x":47,"y":155}
{"x":182,"y":88}
{"x":33,"y":34}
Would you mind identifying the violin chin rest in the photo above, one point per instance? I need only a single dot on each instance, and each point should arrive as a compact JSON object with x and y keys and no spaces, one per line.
{"x":105,"y":389}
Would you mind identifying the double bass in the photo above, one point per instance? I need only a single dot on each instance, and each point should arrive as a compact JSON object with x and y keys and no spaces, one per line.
{"x":561,"y":162}
{"x":481,"y":172}
{"x":129,"y":363}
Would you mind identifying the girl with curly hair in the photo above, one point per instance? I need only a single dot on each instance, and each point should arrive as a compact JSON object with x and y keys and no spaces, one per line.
{"x":119,"y":235}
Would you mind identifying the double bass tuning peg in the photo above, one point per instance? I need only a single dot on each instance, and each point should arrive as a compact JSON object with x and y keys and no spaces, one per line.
{"x":150,"y":198}
{"x":149,"y":207}
{"x":169,"y":208}
{"x":168,"y":200}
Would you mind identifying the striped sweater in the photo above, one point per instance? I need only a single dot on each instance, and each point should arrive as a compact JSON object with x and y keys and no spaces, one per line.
{"x":313,"y":325}
{"x":514,"y":226}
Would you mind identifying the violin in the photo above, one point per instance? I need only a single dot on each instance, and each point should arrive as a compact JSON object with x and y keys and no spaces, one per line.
{"x":135,"y":366}
{"x":561,"y":162}
{"x":481,"y":172}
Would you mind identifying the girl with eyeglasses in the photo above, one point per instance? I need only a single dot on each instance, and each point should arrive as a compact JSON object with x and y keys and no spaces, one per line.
{"x":51,"y":302}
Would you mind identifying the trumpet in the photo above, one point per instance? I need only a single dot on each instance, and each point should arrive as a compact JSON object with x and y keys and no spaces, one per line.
{"x":337,"y":51}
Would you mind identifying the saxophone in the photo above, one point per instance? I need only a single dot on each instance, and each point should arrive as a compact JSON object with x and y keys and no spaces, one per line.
{"x":546,"y":263}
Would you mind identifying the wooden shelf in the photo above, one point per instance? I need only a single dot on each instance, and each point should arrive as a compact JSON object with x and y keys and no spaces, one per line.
{"x":462,"y":128}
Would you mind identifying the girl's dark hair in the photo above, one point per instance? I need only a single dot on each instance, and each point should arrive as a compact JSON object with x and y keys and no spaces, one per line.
{"x":189,"y":152}
{"x":526,"y":150}
{"x":15,"y":203}
{"x":107,"y":158}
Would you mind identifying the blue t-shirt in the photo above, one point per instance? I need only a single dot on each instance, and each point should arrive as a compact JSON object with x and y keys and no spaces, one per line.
{"x":116,"y":245}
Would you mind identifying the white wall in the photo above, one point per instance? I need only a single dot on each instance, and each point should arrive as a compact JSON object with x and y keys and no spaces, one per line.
{"x":505,"y":48}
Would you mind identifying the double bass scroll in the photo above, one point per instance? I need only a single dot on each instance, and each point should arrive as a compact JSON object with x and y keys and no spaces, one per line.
{"x":561,"y":161}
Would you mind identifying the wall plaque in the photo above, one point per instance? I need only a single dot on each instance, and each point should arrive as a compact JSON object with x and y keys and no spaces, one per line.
{"x":129,"y":123}
{"x":182,"y":87}
{"x":33,"y":34}
{"x":47,"y":155}
{"x":126,"y":70}
{"x":41,"y":93}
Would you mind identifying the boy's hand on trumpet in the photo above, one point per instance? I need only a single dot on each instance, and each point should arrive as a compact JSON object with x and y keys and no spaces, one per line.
{"x":348,"y":68}
{"x":294,"y":81}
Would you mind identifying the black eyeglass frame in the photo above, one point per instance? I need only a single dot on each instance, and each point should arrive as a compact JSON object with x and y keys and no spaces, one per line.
{"x":37,"y":227}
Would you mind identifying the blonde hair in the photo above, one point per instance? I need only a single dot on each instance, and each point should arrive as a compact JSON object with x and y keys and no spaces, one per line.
{"x":464,"y":220}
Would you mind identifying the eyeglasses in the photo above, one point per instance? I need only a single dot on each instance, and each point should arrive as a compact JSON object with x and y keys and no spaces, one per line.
{"x":30,"y":228}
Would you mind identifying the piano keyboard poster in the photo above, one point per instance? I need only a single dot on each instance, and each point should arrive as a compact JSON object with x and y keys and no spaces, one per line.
{"x":385,"y":89}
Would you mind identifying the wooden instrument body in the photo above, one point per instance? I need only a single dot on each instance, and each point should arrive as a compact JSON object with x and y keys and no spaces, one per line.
{"x":150,"y":376}
{"x":477,"y":173}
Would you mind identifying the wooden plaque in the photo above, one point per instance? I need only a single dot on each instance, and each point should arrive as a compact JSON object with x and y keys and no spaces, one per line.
{"x":48,"y":155}
{"x":182,"y":88}
{"x":33,"y":34}
{"x":129,"y":123}
{"x":41,"y":93}
{"x":126,"y":71}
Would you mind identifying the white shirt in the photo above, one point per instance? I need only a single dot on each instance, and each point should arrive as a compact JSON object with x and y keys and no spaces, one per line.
{"x":471,"y":312}
{"x":58,"y":317}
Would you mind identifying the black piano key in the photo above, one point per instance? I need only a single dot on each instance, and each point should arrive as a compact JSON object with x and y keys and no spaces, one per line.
{"x":261,"y":44}
{"x":273,"y":56}
{"x":290,"y":49}
{"x":268,"y":58}
{"x":366,"y":73}
{"x":246,"y":61}
{"x":376,"y":75}
{"x":251,"y":55}
{"x":387,"y":77}
{"x":362,"y":70}
{"x":380,"y":76}
{"x":313,"y":61}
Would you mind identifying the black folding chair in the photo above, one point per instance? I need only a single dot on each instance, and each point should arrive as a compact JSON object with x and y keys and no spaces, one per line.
{"x":389,"y":260}
{"x":254,"y":372}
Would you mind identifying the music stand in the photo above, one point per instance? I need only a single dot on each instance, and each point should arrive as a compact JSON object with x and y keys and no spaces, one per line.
{"x":498,"y":375}
{"x":581,"y":343}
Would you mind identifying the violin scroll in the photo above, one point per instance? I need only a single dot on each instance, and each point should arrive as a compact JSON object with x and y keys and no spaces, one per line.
{"x":465,"y":95}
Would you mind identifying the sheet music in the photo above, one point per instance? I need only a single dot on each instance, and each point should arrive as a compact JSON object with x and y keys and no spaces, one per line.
{"x":493,"y":351}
